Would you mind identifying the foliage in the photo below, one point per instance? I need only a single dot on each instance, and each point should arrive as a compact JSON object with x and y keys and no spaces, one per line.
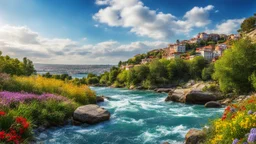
{"x":207,"y":72}
{"x":45,"y":109}
{"x":14,"y":129}
{"x":92,"y":80}
{"x":234,"y":69}
{"x":196,"y":66}
{"x":15,"y":67}
{"x":177,"y":69}
{"x":157,"y":73}
{"x":48,"y":113}
{"x":236,"y":122}
{"x":248,"y":24}
{"x":37,"y":84}
{"x":60,"y":77}
{"x":137,"y":58}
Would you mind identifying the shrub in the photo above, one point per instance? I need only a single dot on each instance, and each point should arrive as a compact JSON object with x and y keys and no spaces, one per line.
{"x":38,"y":84}
{"x":45,"y":109}
{"x":14,"y":129}
{"x":48,"y":113}
{"x":236,"y":122}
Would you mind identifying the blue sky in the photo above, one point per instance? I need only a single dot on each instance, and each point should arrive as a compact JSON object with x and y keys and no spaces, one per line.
{"x":106,"y":31}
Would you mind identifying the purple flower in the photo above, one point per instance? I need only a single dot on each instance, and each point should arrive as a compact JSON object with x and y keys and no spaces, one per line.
{"x":245,"y":142}
{"x":253,"y":130}
{"x":7,"y":98}
{"x":250,"y":112}
{"x":251,"y":137}
{"x":233,"y":110}
{"x":235,"y":141}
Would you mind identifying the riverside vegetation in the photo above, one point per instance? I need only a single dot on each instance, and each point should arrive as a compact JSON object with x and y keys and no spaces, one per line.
{"x":29,"y":101}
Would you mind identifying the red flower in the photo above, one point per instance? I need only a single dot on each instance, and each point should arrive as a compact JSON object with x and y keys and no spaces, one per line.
{"x":20,"y":119}
{"x":25,"y":125}
{"x":2,"y":113}
{"x":2,"y":135}
{"x":243,"y":108}
{"x":224,"y":117}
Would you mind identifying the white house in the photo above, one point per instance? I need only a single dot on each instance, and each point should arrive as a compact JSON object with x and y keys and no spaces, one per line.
{"x":177,"y":48}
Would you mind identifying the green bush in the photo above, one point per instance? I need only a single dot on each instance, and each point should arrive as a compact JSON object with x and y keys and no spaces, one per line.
{"x":15,"y":67}
{"x":48,"y":113}
{"x":234,"y":69}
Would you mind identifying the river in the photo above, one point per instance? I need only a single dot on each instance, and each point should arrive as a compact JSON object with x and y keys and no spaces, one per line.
{"x":137,"y":117}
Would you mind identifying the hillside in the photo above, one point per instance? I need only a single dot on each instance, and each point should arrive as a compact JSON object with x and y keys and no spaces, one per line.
{"x":252,"y":35}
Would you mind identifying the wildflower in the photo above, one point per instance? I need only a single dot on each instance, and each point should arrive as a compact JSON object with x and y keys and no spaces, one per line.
{"x":252,"y":138}
{"x":250,"y":112}
{"x":253,"y":130}
{"x":235,"y":141}
{"x":2,"y":113}
{"x":2,"y":135}
{"x":20,"y":119}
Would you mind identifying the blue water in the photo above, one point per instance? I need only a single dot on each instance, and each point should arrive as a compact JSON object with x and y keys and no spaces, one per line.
{"x":137,"y":117}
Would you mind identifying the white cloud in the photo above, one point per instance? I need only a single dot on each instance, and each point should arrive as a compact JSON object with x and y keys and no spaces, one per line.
{"x":216,"y":11}
{"x":84,"y":39}
{"x":22,"y":42}
{"x":96,"y":25}
{"x":227,"y":27}
{"x":102,"y":2}
{"x":146,"y":22}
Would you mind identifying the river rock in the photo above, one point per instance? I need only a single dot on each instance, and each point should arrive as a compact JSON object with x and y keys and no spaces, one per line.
{"x":194,"y":136}
{"x":91,"y":114}
{"x":165,"y":90}
{"x":212,"y":104}
{"x":177,"y":95}
{"x":226,"y":101}
{"x":200,"y":97}
{"x":100,"y":99}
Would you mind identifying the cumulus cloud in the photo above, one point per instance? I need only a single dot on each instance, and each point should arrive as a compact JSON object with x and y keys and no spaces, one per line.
{"x":143,"y":21}
{"x":227,"y":27}
{"x":22,"y":42}
{"x":102,"y":2}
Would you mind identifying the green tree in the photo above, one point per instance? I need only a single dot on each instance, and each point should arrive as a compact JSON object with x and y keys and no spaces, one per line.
{"x":248,"y":24}
{"x":196,"y":66}
{"x":178,"y":69}
{"x":207,"y":72}
{"x":236,"y":66}
{"x":28,"y":66}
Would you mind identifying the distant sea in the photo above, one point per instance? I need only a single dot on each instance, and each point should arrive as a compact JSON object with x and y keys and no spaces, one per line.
{"x":76,"y":71}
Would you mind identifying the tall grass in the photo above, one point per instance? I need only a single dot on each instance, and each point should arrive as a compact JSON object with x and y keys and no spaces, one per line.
{"x":39,"y":85}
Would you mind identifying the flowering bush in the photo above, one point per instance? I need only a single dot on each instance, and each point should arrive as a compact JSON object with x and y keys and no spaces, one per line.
{"x":236,"y":123}
{"x":13,"y":130}
{"x":8,"y":98}
{"x":39,"y":85}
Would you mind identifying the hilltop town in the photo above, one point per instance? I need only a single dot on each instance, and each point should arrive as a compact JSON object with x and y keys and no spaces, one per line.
{"x":209,"y":46}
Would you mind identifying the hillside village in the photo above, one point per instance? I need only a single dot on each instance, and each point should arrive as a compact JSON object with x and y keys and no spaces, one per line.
{"x":209,"y":46}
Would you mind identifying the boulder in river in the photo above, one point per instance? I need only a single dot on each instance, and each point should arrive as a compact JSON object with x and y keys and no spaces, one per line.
{"x":212,"y":104}
{"x":100,"y":99}
{"x":200,"y":97}
{"x":91,"y":114}
{"x":177,"y":95}
{"x":194,"y":136}
{"x":165,"y":90}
